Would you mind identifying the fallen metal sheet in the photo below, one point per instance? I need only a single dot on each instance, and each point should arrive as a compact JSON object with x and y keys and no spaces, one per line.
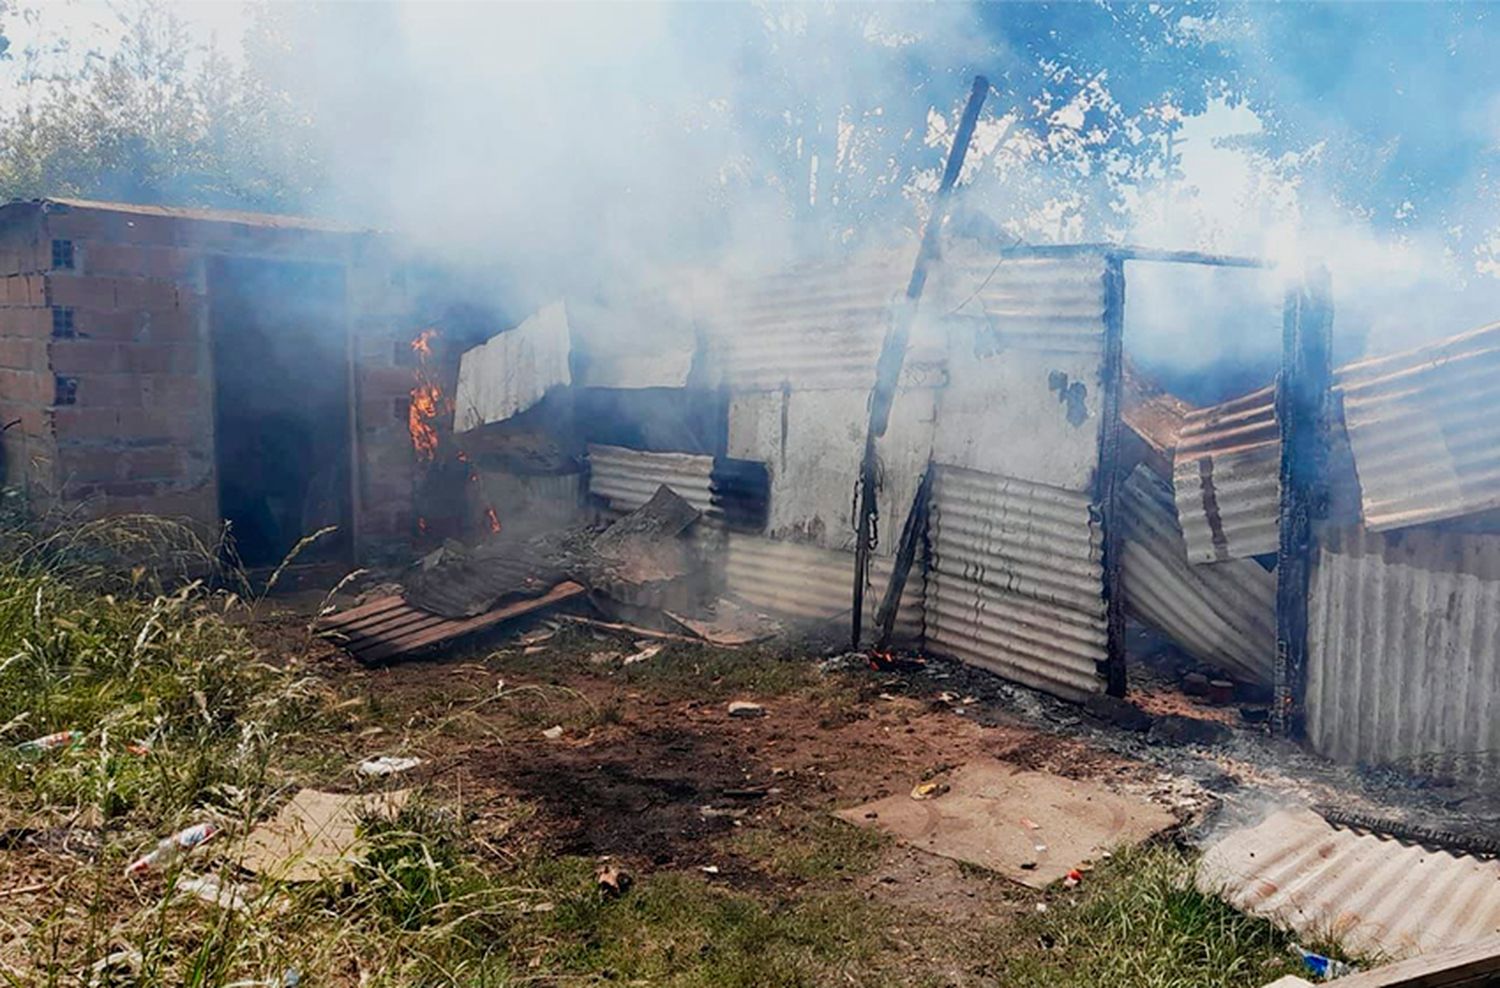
{"x":1153,"y":417}
{"x":1226,"y":477}
{"x":315,"y":836}
{"x":1001,"y":818}
{"x":1404,"y":650}
{"x":627,"y":478}
{"x":728,"y":623}
{"x":1016,"y":581}
{"x":513,"y":371}
{"x":1374,"y":896}
{"x":456,"y":581}
{"x":389,"y":627}
{"x":1223,"y":614}
{"x":1423,"y":430}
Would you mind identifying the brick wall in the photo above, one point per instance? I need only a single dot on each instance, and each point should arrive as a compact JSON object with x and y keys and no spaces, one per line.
{"x":105,"y":361}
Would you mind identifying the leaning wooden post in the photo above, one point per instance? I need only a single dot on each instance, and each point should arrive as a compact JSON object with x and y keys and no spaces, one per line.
{"x":893,"y":352}
{"x":1302,"y":418}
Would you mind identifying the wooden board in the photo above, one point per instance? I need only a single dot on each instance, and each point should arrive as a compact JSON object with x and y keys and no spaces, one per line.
{"x":389,"y":627}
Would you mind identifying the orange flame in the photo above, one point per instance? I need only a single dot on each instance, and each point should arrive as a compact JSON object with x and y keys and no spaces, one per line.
{"x":493,"y":519}
{"x":426,"y":400}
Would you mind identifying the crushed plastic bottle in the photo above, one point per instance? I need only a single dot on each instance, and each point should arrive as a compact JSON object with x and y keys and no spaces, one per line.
{"x":172,"y":847}
{"x":49,"y":742}
{"x":1325,"y":968}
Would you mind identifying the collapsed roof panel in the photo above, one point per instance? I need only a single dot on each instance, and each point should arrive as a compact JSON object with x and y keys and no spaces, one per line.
{"x":1225,"y":477}
{"x":1423,"y":430}
{"x":1221,"y":613}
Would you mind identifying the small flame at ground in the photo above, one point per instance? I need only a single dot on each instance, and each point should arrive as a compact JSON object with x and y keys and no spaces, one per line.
{"x":493,"y":519}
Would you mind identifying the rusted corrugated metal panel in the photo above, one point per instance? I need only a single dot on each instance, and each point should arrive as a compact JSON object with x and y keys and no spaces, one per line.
{"x":1404,"y":649}
{"x":1221,"y":613}
{"x":1226,"y":478}
{"x":1016,"y":581}
{"x":1374,"y":895}
{"x":1423,"y":430}
{"x":806,"y":584}
{"x":389,"y":627}
{"x":814,"y":327}
{"x":1025,"y":341}
{"x":627,"y":478}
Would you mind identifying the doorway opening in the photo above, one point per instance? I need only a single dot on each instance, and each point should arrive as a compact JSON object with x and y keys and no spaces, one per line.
{"x":281,"y":407}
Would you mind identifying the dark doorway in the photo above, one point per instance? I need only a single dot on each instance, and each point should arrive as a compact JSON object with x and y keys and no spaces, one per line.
{"x":281,"y":406}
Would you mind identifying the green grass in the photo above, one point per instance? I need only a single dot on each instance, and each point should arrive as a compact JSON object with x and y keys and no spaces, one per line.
{"x":132,"y":652}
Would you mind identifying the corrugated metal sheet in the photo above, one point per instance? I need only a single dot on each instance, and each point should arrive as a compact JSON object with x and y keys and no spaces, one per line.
{"x":1025,"y":342}
{"x":1016,"y":582}
{"x":389,"y":627}
{"x":1226,"y":474}
{"x":805,"y":584}
{"x":627,"y":478}
{"x":1374,"y":895}
{"x":1404,"y":648}
{"x":812,"y":443}
{"x":1423,"y":430}
{"x":513,"y":370}
{"x":813,"y":327}
{"x":1221,"y":613}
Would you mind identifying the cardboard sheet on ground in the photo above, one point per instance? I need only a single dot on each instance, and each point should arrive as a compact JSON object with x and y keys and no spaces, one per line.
{"x":1001,"y":818}
{"x":315,"y":835}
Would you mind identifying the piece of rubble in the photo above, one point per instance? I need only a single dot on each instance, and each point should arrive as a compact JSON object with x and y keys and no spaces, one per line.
{"x":744,"y":708}
{"x":650,"y":651}
{"x":553,"y":733}
{"x":928,"y":790}
{"x":226,"y":895}
{"x":387,"y":765}
{"x":612,"y":881}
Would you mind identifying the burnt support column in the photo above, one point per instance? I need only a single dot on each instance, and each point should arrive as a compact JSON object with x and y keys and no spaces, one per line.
{"x":1302,"y":418}
{"x":1107,"y":479}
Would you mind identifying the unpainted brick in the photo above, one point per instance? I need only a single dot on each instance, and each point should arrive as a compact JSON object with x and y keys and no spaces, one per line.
{"x":23,"y":354}
{"x":31,"y":323}
{"x":86,"y":356}
{"x":27,"y":387}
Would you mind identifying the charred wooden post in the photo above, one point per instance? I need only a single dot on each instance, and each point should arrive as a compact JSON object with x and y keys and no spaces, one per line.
{"x":893,"y":351}
{"x":912,"y":534}
{"x":1302,"y":417}
{"x":1108,"y":480}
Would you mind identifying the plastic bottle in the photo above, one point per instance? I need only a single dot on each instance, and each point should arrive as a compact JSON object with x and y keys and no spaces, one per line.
{"x":49,"y":742}
{"x":172,"y":847}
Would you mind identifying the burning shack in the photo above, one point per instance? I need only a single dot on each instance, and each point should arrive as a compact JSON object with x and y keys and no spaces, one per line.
{"x":207,"y":365}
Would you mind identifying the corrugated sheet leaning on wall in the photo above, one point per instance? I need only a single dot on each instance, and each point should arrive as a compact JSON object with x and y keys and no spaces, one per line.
{"x":1015,"y":582}
{"x":1423,"y":430}
{"x":1371,"y":894}
{"x":1222,"y":613}
{"x":1226,"y":478}
{"x":807,"y":585}
{"x":627,"y":478}
{"x":1404,"y":649}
